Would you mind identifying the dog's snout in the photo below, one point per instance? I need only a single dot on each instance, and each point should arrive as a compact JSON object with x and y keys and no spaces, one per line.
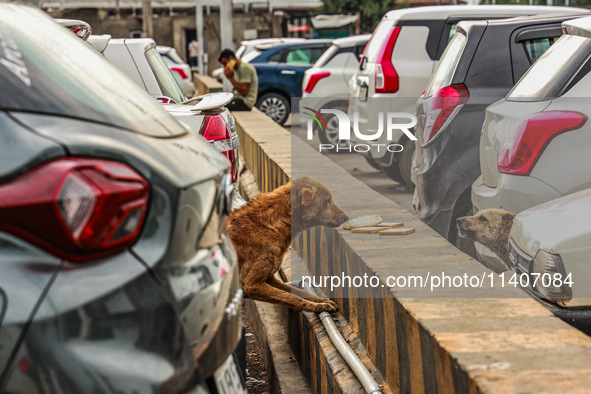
{"x":460,"y":220}
{"x":346,"y":218}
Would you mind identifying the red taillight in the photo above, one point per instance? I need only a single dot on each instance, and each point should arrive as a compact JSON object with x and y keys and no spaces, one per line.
{"x":521,"y":149}
{"x":442,"y":108}
{"x":386,"y":78}
{"x":181,"y":72}
{"x":215,"y":130}
{"x":77,"y":209}
{"x":313,"y":80}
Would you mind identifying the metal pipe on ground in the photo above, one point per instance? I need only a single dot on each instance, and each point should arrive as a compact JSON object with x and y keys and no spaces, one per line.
{"x":358,"y":368}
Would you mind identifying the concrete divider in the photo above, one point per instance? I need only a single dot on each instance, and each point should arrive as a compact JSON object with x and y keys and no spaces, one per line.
{"x":206,"y":84}
{"x":420,"y":345}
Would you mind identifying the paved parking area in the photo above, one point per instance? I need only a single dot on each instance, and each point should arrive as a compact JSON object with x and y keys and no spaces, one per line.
{"x":356,"y":165}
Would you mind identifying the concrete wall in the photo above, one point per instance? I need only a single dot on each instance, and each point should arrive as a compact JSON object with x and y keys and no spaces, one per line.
{"x":170,"y":30}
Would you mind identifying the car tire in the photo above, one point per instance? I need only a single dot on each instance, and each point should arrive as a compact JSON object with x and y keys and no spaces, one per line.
{"x":372,"y":162}
{"x":393,"y":170}
{"x":405,"y":163}
{"x":463,"y":208}
{"x":331,"y":135}
{"x":275,"y":106}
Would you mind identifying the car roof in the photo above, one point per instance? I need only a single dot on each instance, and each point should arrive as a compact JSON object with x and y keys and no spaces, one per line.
{"x":579,"y":27}
{"x":445,"y":11}
{"x":520,"y":20}
{"x":352,"y":40}
{"x":302,"y":43}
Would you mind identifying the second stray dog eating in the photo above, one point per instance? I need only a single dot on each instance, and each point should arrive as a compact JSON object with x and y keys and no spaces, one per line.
{"x":261,"y":232}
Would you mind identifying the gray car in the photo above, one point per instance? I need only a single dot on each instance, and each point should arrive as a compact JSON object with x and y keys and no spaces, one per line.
{"x":116,"y":273}
{"x":481,"y":64}
{"x":534,"y":142}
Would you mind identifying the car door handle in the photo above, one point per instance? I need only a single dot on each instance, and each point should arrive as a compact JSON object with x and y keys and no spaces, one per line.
{"x":288,"y":72}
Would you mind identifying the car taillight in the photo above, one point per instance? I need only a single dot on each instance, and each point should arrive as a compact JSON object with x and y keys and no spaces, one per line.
{"x":442,"y":108}
{"x":181,"y":72}
{"x":386,"y":78}
{"x":521,"y":149}
{"x":215,"y":130}
{"x":313,"y":80}
{"x":75,"y":208}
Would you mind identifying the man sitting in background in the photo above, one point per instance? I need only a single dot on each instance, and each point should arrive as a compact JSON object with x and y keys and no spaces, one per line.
{"x":243,"y":78}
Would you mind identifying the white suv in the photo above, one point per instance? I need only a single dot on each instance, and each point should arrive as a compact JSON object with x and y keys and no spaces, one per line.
{"x":325,"y":85}
{"x":397,"y":64}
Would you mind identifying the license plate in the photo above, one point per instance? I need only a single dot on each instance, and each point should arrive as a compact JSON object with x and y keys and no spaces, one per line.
{"x":227,"y":378}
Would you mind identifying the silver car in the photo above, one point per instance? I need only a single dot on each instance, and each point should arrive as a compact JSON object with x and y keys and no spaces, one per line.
{"x":549,"y":250}
{"x":533,"y":143}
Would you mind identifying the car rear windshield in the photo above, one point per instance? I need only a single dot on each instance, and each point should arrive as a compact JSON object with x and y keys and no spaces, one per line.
{"x":164,"y":77}
{"x":444,"y":72}
{"x":45,"y":68}
{"x":377,"y":39}
{"x":175,"y":56}
{"x":550,"y":73}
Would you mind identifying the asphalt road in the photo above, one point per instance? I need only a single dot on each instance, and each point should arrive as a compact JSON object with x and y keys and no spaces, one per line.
{"x":357,"y":166}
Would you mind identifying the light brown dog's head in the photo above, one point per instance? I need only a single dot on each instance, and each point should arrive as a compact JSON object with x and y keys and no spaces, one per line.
{"x":489,"y":227}
{"x":312,"y":205}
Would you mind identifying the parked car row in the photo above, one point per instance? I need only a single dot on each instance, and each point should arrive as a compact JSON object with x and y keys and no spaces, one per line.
{"x":500,"y":98}
{"x":503,"y":124}
{"x":117,"y":275}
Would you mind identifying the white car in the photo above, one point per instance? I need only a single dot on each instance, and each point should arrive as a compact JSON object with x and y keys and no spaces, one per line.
{"x":139,"y":60}
{"x":397,"y":64}
{"x":549,"y":249}
{"x":325,"y":85}
{"x":180,"y":69}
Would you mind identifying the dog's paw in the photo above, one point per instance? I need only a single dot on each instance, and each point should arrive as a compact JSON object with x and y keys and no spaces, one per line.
{"x":326,"y":307}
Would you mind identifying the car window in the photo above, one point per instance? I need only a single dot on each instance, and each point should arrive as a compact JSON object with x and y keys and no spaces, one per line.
{"x":452,"y":32}
{"x":174,"y":56}
{"x":303,"y":56}
{"x":536,"y":48}
{"x":445,"y":69}
{"x":164,"y":77}
{"x":276,"y":57}
{"x":546,"y":77}
{"x":326,"y":56}
{"x":377,"y":39}
{"x":53,"y":72}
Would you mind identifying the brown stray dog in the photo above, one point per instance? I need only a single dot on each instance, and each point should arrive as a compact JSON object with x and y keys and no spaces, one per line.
{"x":261,"y":233}
{"x":489,"y":227}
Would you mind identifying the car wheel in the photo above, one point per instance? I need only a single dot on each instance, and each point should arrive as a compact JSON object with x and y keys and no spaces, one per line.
{"x":372,"y":163}
{"x":463,"y":208}
{"x":393,"y":170}
{"x":331,"y":134}
{"x":275,"y":106}
{"x":405,"y":163}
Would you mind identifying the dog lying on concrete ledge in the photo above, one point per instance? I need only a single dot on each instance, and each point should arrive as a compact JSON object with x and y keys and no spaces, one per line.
{"x":261,"y":232}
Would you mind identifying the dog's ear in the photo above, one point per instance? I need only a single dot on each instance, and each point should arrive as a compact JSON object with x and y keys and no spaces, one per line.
{"x":507,"y":217}
{"x":307,"y":195}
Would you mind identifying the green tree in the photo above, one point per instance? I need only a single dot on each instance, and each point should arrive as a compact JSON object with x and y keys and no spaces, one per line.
{"x":371,"y":11}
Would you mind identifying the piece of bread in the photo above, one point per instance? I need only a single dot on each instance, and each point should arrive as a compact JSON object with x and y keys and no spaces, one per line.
{"x":397,"y":231}
{"x":390,"y":224}
{"x":363,"y":221}
{"x":367,"y":230}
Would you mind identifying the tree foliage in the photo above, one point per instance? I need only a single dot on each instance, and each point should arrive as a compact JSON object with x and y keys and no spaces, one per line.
{"x":371,"y":11}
